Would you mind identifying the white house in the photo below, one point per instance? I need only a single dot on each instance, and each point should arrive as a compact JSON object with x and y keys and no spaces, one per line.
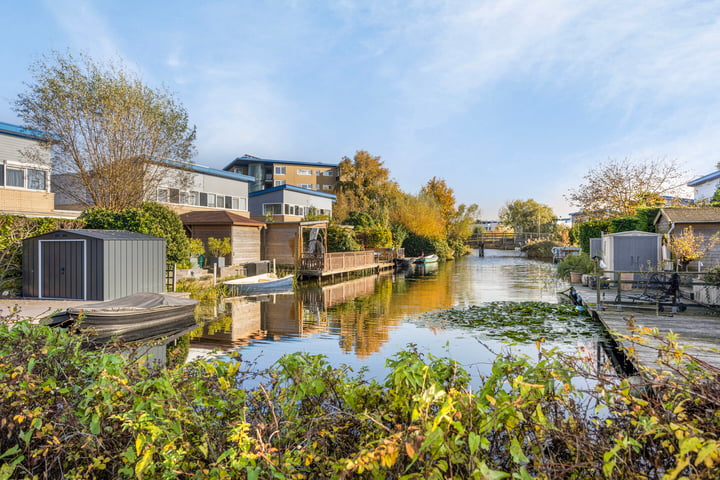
{"x":288,"y":203}
{"x":24,"y":172}
{"x":183,"y":186}
{"x":705,"y":187}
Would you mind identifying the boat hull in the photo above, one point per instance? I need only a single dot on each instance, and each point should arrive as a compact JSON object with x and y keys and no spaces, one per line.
{"x":260,"y":286}
{"x":133,"y":317}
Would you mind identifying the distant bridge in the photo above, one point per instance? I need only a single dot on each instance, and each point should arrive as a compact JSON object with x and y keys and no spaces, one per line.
{"x":504,"y":240}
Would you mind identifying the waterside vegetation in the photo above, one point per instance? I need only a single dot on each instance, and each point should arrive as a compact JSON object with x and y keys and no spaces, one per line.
{"x":69,"y":412}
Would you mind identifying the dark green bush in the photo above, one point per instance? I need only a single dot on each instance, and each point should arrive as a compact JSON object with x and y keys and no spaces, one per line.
{"x":151,"y":219}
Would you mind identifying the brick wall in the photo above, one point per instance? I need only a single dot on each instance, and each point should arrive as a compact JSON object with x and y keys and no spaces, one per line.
{"x":17,"y":201}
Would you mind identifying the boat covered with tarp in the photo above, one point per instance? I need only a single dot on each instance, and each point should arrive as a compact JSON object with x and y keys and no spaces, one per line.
{"x":132,"y":317}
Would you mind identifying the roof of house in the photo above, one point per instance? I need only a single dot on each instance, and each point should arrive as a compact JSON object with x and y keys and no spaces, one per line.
{"x":690,"y":215}
{"x":293,"y":188}
{"x":250,"y":159}
{"x":218,"y":217}
{"x":703,"y":179}
{"x":207,"y":170}
{"x":18,"y":131}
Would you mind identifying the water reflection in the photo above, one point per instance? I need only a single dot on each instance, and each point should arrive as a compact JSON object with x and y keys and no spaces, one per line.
{"x":362,"y":322}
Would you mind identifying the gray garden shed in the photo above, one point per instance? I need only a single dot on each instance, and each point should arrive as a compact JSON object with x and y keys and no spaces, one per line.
{"x":92,"y":264}
{"x":632,"y":251}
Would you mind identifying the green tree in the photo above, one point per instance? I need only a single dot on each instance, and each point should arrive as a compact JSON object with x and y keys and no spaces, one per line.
{"x":149,"y":218}
{"x":107,"y":128}
{"x":528,"y":216}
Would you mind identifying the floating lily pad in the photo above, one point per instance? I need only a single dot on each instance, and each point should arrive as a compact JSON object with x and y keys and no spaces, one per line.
{"x":523,"y":322}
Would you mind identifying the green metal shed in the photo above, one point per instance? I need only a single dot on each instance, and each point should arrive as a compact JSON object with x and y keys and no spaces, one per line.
{"x":92,"y":264}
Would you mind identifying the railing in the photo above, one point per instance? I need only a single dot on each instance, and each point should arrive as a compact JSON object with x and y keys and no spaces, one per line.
{"x":662,"y":291}
{"x":338,"y":261}
{"x":504,"y":239}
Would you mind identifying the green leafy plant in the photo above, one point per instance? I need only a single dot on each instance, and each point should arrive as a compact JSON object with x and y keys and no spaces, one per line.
{"x":219,"y":247}
{"x":196,"y":247}
{"x":580,"y":263}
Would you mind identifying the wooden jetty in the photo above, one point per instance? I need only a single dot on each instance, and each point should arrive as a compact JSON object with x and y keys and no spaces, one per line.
{"x":699,"y":334}
{"x":332,"y":265}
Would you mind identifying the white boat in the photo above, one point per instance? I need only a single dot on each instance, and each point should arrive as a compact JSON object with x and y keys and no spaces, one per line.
{"x":265,"y":283}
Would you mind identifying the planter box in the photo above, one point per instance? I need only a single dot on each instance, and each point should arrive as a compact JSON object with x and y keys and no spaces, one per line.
{"x":575,"y":277}
{"x":220,"y":261}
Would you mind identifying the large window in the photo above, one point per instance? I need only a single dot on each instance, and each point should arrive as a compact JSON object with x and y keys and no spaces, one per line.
{"x":279,"y":183}
{"x":273,"y":208}
{"x":36,"y":179}
{"x":279,"y":170}
{"x":306,"y":185}
{"x":329,"y":173}
{"x":15,"y":177}
{"x":304,"y":171}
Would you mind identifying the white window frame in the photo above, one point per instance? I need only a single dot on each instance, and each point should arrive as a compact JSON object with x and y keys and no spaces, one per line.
{"x":304,"y":171}
{"x":280,"y":170}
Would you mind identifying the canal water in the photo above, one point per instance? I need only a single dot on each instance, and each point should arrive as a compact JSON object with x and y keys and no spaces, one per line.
{"x":364,"y":321}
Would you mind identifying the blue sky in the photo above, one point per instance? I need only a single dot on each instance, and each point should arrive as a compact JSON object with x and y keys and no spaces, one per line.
{"x":503,"y":99}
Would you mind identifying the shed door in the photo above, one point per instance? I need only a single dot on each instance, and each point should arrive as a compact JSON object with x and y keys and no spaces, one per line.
{"x":62,"y":269}
{"x":635,"y":253}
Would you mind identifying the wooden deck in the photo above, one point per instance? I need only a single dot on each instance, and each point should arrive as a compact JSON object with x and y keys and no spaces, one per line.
{"x":699,"y":333}
{"x":341,"y":263}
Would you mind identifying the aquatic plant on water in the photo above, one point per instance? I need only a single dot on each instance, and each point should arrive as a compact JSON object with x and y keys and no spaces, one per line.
{"x":524,"y":322}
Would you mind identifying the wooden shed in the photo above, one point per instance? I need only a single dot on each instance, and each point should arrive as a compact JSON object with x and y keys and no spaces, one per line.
{"x":244,"y":233}
{"x":704,"y":221}
{"x":92,"y":264}
{"x":287,"y":242}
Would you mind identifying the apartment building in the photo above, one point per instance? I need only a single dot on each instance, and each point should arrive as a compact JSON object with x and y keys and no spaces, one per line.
{"x":24,"y":172}
{"x":267,"y":174}
{"x":185,"y":187}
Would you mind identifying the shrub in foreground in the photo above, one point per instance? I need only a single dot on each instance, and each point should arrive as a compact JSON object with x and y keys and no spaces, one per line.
{"x":69,"y":412}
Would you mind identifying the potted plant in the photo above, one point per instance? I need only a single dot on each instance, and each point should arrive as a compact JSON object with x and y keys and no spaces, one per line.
{"x":218,"y":248}
{"x":574,"y":266}
{"x":197,"y":250}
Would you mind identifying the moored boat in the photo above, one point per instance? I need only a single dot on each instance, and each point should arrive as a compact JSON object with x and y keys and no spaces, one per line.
{"x":132,"y":317}
{"x":266,"y":283}
{"x":426,"y":259}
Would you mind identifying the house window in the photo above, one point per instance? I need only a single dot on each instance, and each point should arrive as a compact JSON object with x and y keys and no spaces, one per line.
{"x":220,"y":201}
{"x":327,"y":187}
{"x":272,"y":208}
{"x":279,"y":170}
{"x":211,"y":200}
{"x":279,"y":183}
{"x":228,"y":202}
{"x":304,"y":171}
{"x":174,"y":196}
{"x":15,"y":177}
{"x":183,"y":198}
{"x":203,"y":199}
{"x":162,"y":195}
{"x":306,"y":185}
{"x":243,"y":204}
{"x":2,"y":175}
{"x":36,"y":179}
{"x":192,"y":198}
{"x":329,"y":173}
{"x":235,"y":203}
{"x":317,"y":186}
